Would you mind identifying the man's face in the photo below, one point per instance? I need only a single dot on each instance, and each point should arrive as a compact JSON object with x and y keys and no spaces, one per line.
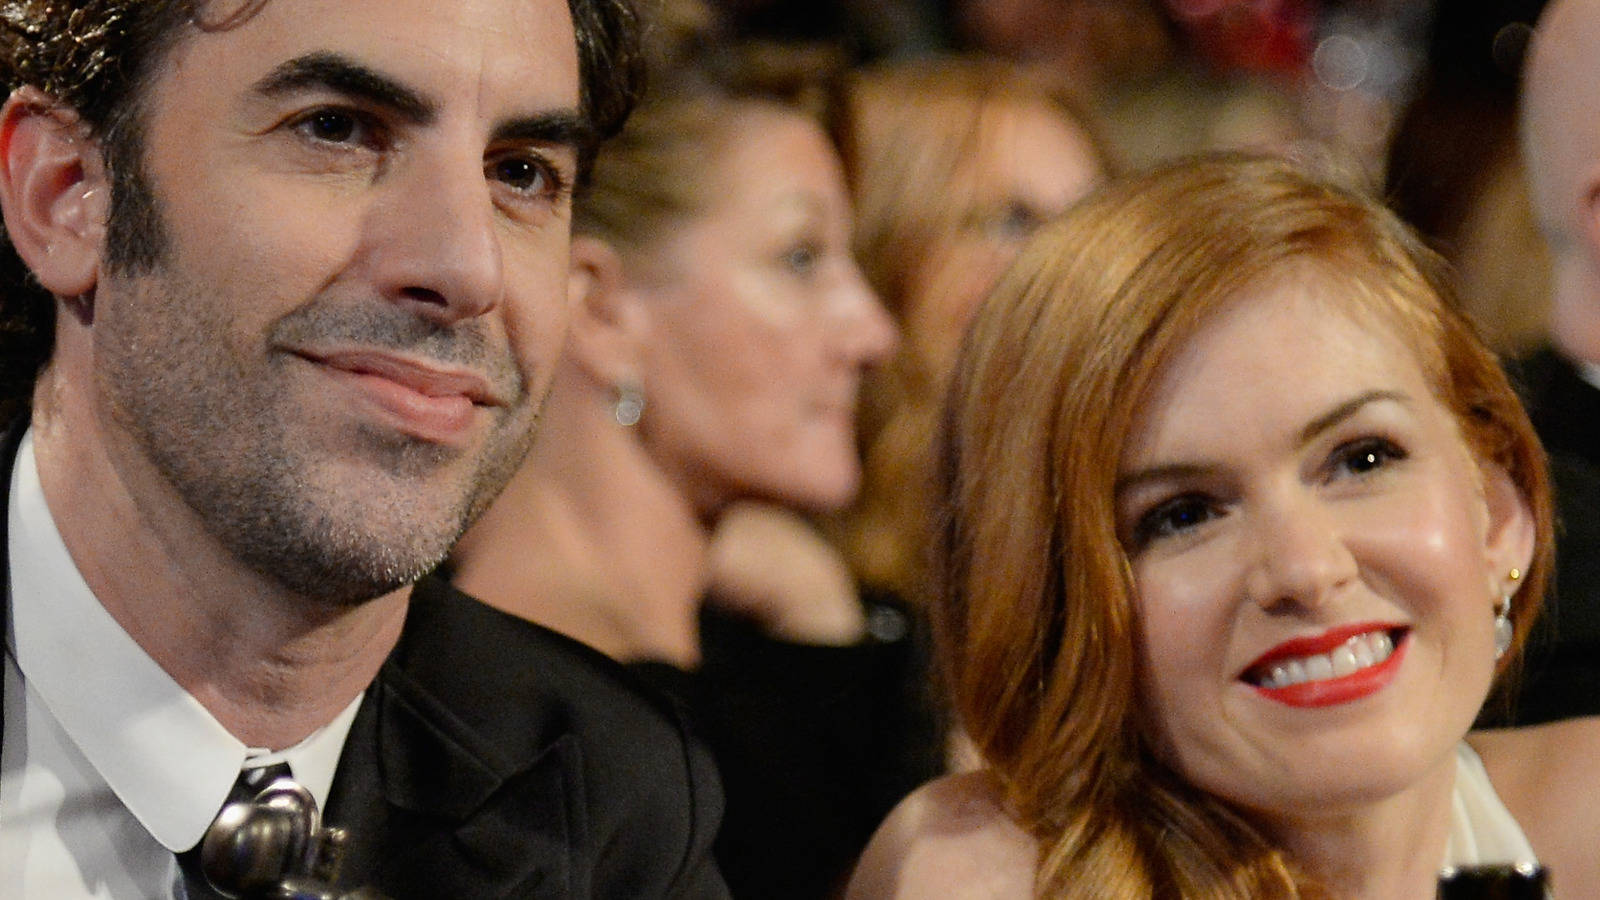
{"x":339,"y":357}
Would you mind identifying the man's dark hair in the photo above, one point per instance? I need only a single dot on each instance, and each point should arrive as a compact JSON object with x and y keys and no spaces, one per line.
{"x":97,"y":57}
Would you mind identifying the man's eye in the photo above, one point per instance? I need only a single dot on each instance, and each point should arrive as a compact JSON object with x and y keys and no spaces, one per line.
{"x":1013,"y":222}
{"x":524,"y":175}
{"x":334,"y":126}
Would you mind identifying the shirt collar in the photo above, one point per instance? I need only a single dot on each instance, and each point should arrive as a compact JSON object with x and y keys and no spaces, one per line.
{"x":168,"y":760}
{"x":1588,"y":371}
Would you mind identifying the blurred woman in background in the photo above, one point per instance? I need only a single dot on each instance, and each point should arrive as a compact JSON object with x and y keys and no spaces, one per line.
{"x":720,"y":331}
{"x":955,"y":162}
{"x":721,"y":328}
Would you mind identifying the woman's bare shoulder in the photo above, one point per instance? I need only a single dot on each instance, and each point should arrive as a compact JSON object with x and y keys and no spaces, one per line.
{"x":950,"y":839}
{"x":1547,"y":777}
{"x":1540,"y":761}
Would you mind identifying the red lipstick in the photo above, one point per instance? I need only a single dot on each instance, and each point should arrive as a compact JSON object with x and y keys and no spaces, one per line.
{"x":1330,"y":691}
{"x":1326,"y":642}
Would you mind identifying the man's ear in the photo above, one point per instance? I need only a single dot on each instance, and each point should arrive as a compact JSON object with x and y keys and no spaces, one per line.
{"x":53,"y":192}
{"x":609,"y":317}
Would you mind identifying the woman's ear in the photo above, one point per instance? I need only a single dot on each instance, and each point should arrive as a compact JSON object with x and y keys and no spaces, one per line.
{"x":53,"y":192}
{"x":1509,"y":543}
{"x":609,"y":316}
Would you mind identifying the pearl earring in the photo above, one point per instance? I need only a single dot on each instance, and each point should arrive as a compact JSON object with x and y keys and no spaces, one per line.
{"x":629,"y":405}
{"x":1503,"y":630}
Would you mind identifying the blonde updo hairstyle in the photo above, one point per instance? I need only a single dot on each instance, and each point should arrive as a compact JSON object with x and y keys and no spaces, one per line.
{"x":662,"y":168}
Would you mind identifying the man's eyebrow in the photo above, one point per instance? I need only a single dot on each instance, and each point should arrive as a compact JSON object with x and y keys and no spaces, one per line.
{"x":562,"y":127}
{"x":342,"y":75}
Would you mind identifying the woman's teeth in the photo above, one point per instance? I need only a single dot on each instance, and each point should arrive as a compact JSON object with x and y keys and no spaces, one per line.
{"x":1360,"y":652}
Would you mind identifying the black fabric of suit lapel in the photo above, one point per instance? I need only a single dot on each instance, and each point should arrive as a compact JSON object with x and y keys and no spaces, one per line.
{"x":434,"y":809}
{"x":1565,"y":408}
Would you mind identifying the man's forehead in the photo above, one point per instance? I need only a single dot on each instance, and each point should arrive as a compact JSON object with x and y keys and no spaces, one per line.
{"x":503,"y":51}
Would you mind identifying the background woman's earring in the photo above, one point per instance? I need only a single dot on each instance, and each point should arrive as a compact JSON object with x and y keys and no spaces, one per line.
{"x":1503,"y":630}
{"x":630,"y":402}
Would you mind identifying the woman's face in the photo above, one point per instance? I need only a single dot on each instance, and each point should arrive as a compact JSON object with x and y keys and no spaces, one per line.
{"x":762,"y":325}
{"x":1030,"y":164}
{"x":1316,"y":555}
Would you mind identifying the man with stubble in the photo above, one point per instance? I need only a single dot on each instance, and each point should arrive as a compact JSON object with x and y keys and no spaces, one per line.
{"x":289,"y":280}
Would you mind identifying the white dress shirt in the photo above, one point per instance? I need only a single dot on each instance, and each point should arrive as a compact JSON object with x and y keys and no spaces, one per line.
{"x":107,"y":765}
{"x":1589,"y":372}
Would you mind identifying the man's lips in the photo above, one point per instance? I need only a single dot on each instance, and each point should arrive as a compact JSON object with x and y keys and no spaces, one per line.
{"x":426,"y":378}
{"x":427,"y":402}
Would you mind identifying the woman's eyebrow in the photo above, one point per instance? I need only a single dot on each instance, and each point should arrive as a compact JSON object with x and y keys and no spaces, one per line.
{"x":1323,"y":422}
{"x":1156,"y":474}
{"x":1347,"y":409}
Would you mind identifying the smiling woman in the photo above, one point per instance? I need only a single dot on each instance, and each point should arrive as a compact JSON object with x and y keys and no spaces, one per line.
{"x":1227,"y":581}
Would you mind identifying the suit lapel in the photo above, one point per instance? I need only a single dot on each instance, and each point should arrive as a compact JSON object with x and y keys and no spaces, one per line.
{"x":435,"y":808}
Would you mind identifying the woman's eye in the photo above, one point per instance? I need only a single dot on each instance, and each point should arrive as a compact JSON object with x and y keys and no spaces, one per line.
{"x":1366,"y":455}
{"x":1013,"y":222}
{"x":1173,"y":517}
{"x":802,"y":260}
{"x":1017,"y":222}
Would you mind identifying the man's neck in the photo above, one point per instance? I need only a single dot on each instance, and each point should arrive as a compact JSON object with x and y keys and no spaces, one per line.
{"x":271,"y":666}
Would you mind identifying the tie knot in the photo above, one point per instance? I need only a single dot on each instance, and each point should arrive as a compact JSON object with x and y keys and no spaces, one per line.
{"x":253,"y":780}
{"x":233,"y":848}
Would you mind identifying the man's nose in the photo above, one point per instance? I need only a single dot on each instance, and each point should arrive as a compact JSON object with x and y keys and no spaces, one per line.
{"x":434,"y":242}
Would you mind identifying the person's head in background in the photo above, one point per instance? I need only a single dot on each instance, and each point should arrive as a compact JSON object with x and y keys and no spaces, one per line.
{"x":954,"y":162}
{"x":1453,"y":172}
{"x":1215,"y":408}
{"x":720,"y":335}
{"x":727,"y":211}
{"x":1561,"y":153}
{"x":1094,"y":44}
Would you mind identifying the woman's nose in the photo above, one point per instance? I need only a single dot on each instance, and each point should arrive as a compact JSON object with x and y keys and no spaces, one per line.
{"x":1300,"y":554}
{"x":870,"y":335}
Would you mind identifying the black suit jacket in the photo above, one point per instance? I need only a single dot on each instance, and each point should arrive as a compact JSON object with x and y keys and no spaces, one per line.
{"x":492,"y":758}
{"x":1561,"y":673}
